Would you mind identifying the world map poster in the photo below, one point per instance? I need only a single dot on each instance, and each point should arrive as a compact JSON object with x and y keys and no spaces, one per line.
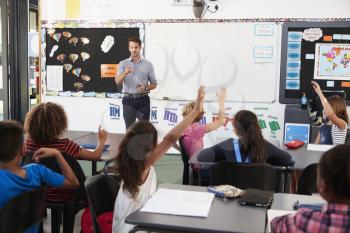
{"x":332,"y":61}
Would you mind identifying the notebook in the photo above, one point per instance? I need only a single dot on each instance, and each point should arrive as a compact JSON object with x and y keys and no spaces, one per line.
{"x":179,"y":202}
{"x":90,"y":146}
{"x":254,"y":197}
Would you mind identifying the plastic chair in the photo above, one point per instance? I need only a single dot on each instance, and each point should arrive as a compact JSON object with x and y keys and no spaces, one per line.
{"x":185,"y":158}
{"x":347,"y":138}
{"x":307,"y":183}
{"x":23,"y":211}
{"x":102,"y":190}
{"x":186,"y":174}
{"x":67,"y":209}
{"x":253,"y":175}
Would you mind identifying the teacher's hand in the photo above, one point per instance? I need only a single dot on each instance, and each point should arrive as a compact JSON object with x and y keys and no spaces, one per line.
{"x":140,"y":88}
{"x":128,"y":70}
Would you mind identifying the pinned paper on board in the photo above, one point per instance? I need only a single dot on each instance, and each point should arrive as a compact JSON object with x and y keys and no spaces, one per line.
{"x":109,"y":70}
{"x":264,"y":29}
{"x":107,"y":43}
{"x":263,"y":54}
{"x":54,"y":78}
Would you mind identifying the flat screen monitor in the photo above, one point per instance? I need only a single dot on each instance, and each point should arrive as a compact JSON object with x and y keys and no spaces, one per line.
{"x":293,"y":131}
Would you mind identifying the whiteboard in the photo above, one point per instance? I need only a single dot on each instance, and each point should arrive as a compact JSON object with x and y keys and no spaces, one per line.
{"x":243,"y":57}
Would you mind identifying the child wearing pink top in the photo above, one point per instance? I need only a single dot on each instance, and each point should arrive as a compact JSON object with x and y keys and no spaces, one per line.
{"x":192,"y":138}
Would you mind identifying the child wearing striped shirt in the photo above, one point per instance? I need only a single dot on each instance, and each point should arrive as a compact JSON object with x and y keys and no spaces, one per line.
{"x":334,"y":109}
{"x":45,"y":125}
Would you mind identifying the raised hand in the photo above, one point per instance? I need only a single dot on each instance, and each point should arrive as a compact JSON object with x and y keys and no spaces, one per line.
{"x":200,"y":99}
{"x":221,"y":94}
{"x":316,"y":87}
{"x":102,"y":135}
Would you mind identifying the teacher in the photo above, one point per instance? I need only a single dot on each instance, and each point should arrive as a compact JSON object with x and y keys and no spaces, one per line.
{"x":138,"y":78}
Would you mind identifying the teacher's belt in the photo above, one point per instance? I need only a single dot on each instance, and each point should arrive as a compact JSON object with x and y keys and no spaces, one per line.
{"x":135,"y":96}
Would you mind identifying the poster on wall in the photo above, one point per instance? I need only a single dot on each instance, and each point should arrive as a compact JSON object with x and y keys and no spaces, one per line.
{"x":89,"y":57}
{"x":332,"y":61}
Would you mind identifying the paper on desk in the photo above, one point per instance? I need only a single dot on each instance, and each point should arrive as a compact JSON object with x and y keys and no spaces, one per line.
{"x":318,"y":147}
{"x":271,"y":214}
{"x":178,"y":202}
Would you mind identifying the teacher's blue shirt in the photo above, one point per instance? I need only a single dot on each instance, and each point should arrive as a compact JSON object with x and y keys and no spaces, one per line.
{"x":142,"y":73}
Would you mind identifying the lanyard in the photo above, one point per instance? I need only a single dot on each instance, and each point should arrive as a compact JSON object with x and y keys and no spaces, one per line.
{"x":238,"y":153}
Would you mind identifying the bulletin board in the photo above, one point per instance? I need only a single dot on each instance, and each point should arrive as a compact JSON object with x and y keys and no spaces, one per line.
{"x":314,"y":51}
{"x":88,"y":57}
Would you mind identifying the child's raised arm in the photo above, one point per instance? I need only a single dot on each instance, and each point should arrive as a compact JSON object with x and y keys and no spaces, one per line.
{"x":217,"y":123}
{"x":340,"y":123}
{"x":176,"y":132}
{"x":96,"y":154}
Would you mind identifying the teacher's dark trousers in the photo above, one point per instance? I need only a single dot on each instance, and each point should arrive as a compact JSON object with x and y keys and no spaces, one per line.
{"x":135,"y":108}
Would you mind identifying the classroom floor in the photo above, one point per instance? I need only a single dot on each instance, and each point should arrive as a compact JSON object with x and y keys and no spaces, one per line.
{"x":168,"y":169}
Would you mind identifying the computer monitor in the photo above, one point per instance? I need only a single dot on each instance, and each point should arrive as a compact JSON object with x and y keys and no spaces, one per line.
{"x":294,"y":131}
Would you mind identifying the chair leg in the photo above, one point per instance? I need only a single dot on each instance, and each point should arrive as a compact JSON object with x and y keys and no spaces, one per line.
{"x":55,"y":220}
{"x":190,"y":175}
{"x":68,"y":218}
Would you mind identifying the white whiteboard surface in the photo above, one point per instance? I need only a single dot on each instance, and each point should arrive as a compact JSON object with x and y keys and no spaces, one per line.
{"x":243,"y":57}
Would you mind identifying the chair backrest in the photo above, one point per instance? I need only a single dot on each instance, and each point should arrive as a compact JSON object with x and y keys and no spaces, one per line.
{"x":252,"y":175}
{"x":23,"y":211}
{"x":307,"y":183}
{"x":79,"y":194}
{"x":102,"y":191}
{"x":347,"y":138}
{"x":185,"y":158}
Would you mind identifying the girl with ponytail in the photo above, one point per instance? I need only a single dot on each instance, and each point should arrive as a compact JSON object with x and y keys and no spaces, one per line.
{"x":249,"y":147}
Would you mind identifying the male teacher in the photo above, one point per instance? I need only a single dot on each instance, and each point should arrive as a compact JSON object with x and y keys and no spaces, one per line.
{"x":138,"y":78}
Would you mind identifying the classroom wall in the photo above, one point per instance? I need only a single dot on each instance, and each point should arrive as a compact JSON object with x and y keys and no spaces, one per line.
{"x":228,"y":9}
{"x":87,"y":113}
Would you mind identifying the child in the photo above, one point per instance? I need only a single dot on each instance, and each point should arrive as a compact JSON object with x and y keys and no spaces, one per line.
{"x":15,"y":180}
{"x":192,"y":138}
{"x":333,"y":183}
{"x":250,"y":147}
{"x":137,"y":154}
{"x":334,"y":108}
{"x":45,"y":124}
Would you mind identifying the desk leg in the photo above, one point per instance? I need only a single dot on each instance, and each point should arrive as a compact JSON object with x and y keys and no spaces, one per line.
{"x":190,"y":175}
{"x":287,"y":180}
{"x":93,"y":168}
{"x":199,"y":175}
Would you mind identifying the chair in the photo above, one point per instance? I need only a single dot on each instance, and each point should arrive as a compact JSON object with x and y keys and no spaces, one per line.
{"x":347,"y":138}
{"x":23,"y":211}
{"x":102,"y":191}
{"x":307,"y":183}
{"x":185,"y":158}
{"x":69,"y":209}
{"x":185,"y":175}
{"x":253,"y":175}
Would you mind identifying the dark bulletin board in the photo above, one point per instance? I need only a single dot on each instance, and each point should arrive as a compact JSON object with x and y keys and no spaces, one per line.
{"x":329,"y":29}
{"x":91,"y":66}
